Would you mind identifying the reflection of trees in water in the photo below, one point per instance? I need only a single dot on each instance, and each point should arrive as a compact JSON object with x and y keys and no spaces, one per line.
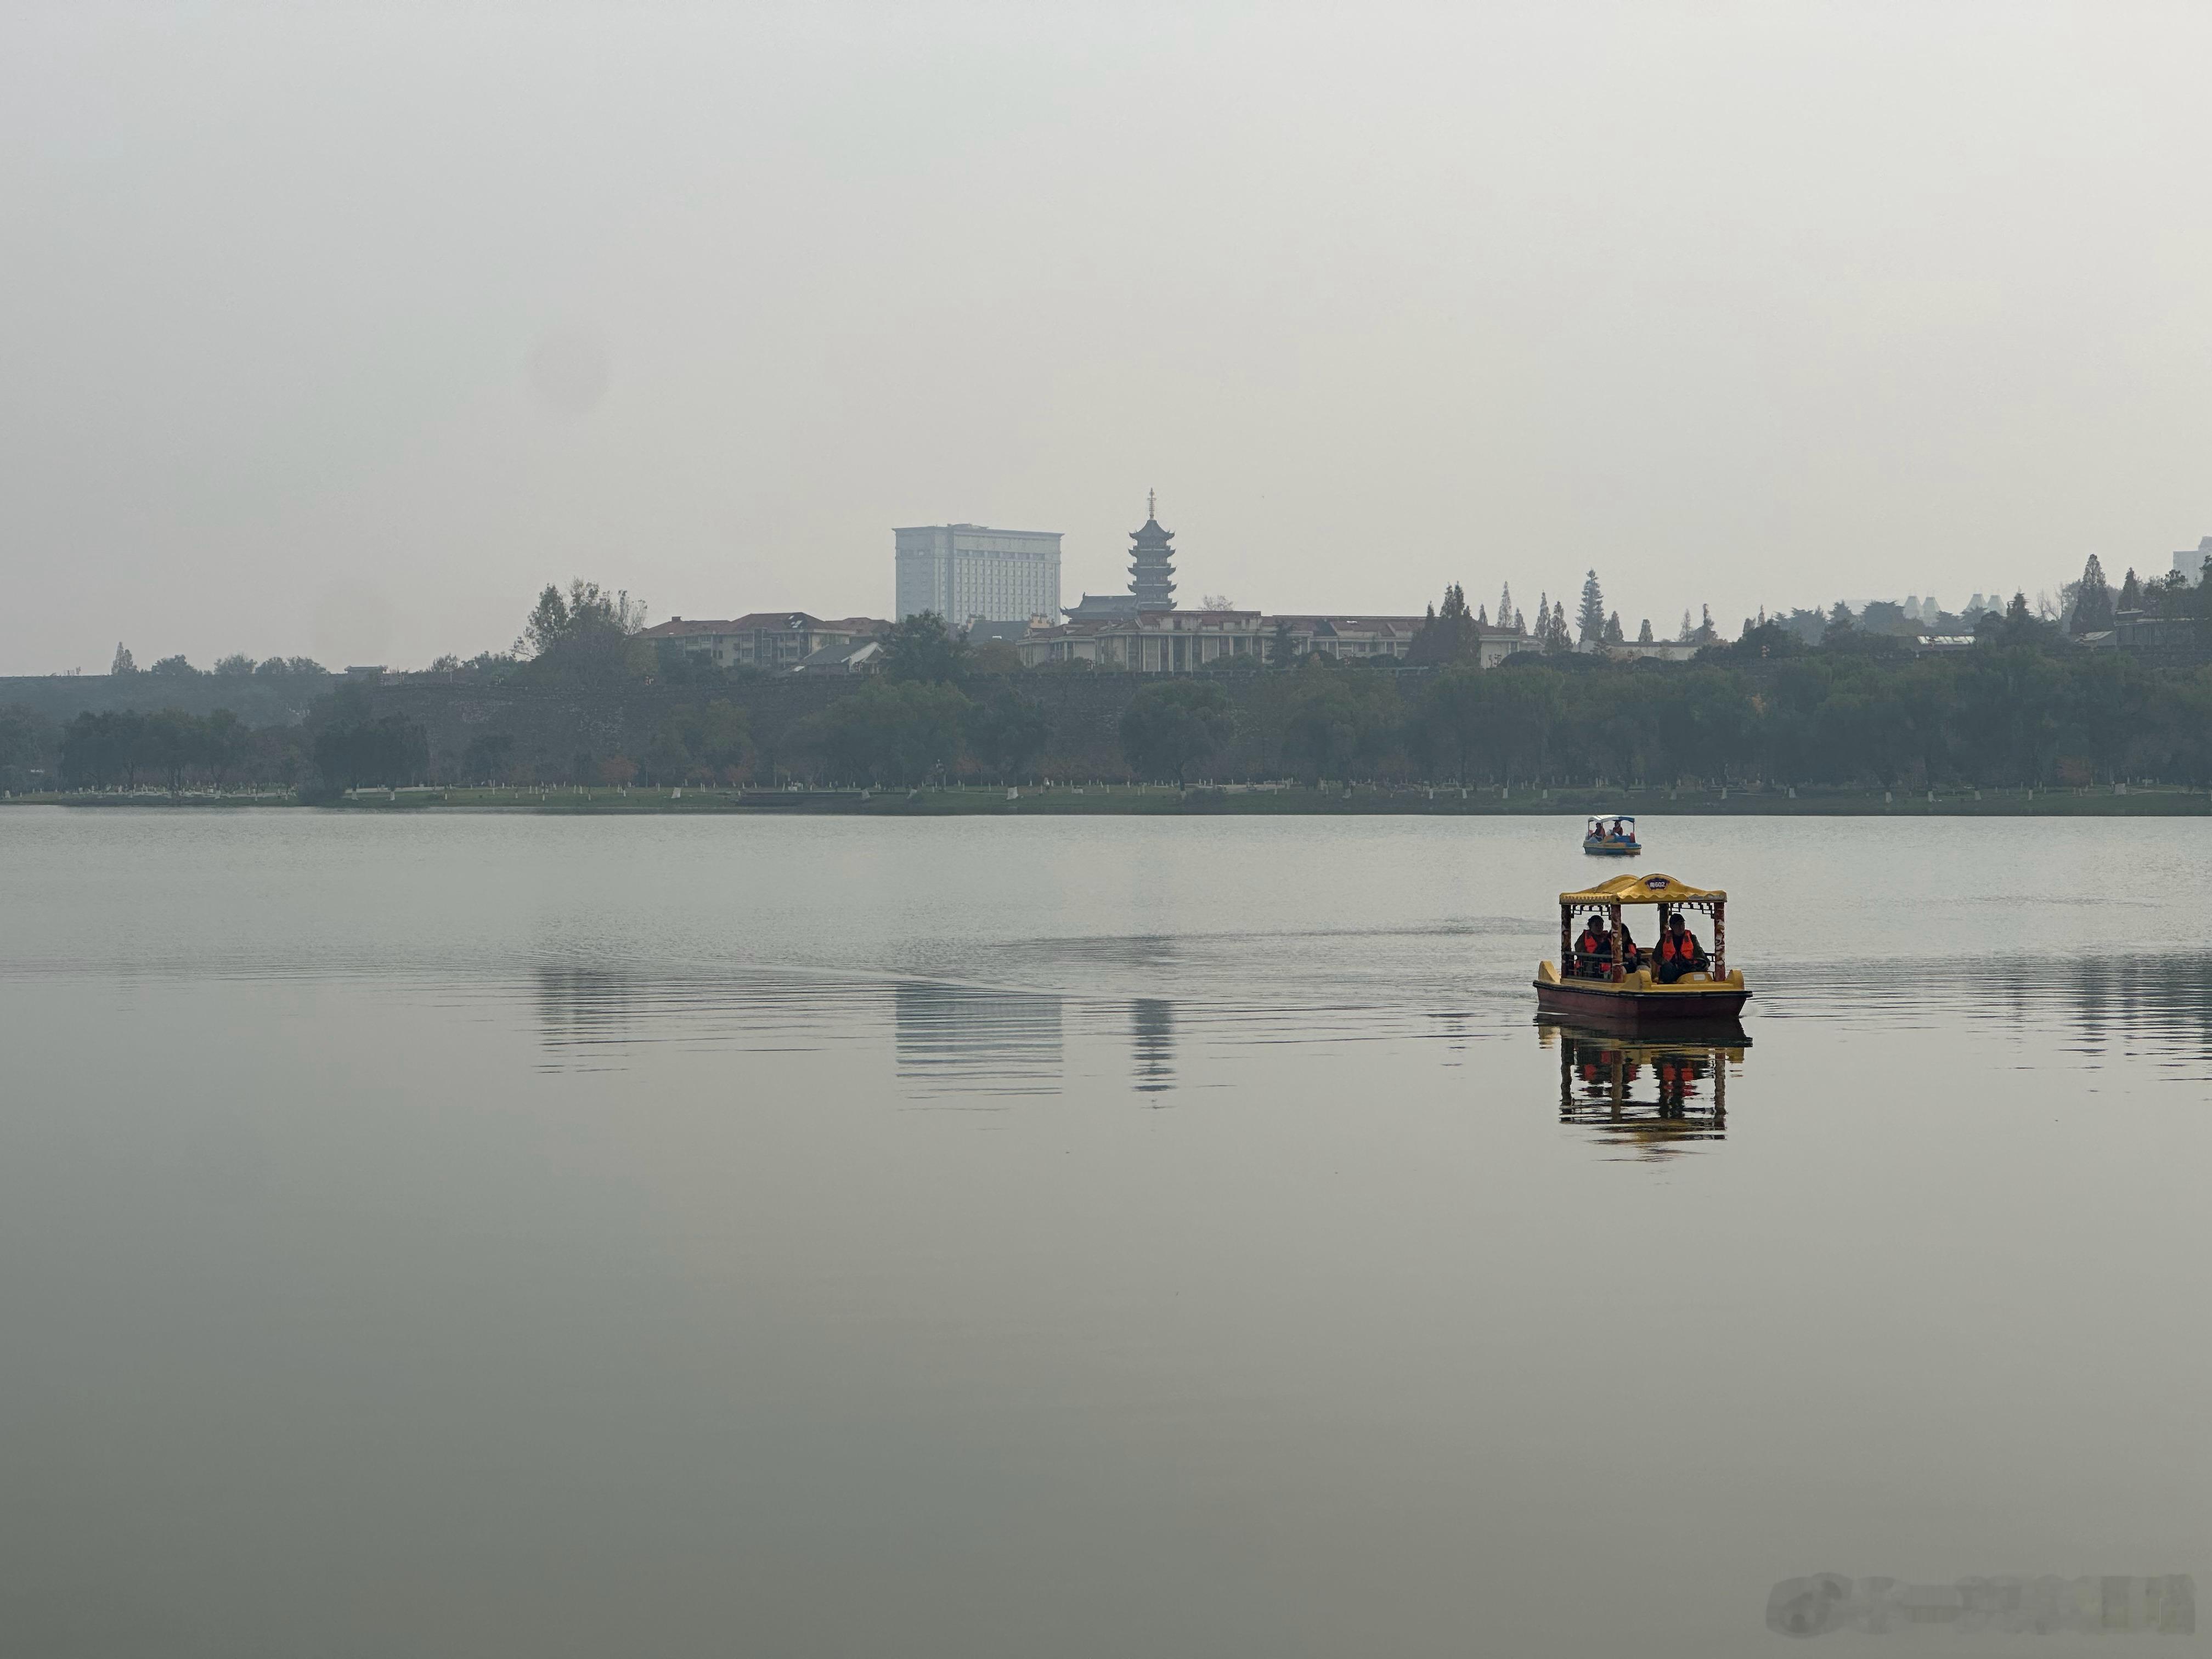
{"x":2160,"y":1002}
{"x":963,"y":1039}
{"x":579,"y":1007}
{"x":587,"y":1016}
{"x":1654,"y":1094}
{"x":1152,"y":1031}
{"x":953,"y":1038}
{"x":2162,"y":997}
{"x":2042,"y":1604}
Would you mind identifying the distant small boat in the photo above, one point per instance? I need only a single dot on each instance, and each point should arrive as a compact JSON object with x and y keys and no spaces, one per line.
{"x":1613,"y":837}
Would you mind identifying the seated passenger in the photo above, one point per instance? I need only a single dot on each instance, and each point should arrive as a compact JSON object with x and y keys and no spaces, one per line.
{"x":1631,"y":958}
{"x":1593,"y":949}
{"x":1680,"y":953}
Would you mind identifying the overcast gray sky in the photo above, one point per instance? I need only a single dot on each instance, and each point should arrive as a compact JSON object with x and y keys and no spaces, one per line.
{"x":340,"y":328}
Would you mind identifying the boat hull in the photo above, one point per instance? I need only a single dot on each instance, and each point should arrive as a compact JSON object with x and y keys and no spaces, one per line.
{"x":1718,"y":1031}
{"x":1616,"y":1003}
{"x":1612,"y":849}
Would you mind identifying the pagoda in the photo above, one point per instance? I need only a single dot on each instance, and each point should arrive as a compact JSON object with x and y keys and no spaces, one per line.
{"x":1152,"y":561}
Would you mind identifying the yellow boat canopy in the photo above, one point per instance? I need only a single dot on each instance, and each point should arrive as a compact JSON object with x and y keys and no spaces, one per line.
{"x":1644,"y":890}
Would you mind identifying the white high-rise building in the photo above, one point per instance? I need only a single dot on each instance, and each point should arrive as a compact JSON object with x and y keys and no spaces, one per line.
{"x":963,"y":571}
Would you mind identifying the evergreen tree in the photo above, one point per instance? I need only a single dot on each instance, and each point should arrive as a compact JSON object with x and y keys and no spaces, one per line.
{"x":1520,"y":623}
{"x":1686,"y":629}
{"x":1556,"y":637}
{"x":1447,"y":634}
{"x":1481,"y":618}
{"x":1589,"y":620}
{"x":1506,"y":610}
{"x":1613,"y":634}
{"x":585,"y":614}
{"x":1707,"y":634}
{"x":1644,"y":634}
{"x":2093,"y":601}
{"x":123,"y":664}
{"x":1840,"y":623}
{"x":921,"y":648}
{"x":2131,"y":596}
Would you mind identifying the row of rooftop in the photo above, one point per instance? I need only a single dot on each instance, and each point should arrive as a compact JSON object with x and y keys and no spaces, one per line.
{"x":1002,"y":587}
{"x":1145,"y":641}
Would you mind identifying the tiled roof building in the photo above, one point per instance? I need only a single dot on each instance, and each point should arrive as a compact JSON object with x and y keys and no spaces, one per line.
{"x":768,"y":639}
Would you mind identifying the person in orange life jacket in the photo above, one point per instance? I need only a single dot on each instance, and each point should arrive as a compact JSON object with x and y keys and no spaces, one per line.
{"x":1595,"y":948}
{"x":1679,"y":951}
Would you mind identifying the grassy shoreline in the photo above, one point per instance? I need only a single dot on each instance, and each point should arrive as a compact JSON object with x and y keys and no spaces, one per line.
{"x":1123,"y":800}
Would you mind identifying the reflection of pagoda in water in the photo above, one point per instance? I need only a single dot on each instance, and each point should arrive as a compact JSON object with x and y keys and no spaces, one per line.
{"x":1654,"y":1094}
{"x":1152,"y":1028}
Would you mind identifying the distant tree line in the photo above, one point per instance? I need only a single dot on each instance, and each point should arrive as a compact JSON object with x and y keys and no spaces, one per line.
{"x":2003,"y":716}
{"x":342,"y":745}
{"x":1858,"y":705}
{"x":170,"y":749}
{"x":238,"y":665}
{"x":28,"y":741}
{"x":2021,"y":707}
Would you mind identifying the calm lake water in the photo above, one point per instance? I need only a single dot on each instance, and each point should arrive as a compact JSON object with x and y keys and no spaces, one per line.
{"x":497,"y":1235}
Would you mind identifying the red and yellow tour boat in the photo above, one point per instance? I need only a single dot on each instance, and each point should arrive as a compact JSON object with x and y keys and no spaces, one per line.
{"x":1604,"y":975}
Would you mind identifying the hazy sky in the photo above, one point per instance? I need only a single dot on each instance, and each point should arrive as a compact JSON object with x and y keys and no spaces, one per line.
{"x":340,"y":328}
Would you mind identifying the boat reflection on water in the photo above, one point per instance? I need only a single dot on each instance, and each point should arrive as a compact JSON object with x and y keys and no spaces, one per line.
{"x":1657,"y":1092}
